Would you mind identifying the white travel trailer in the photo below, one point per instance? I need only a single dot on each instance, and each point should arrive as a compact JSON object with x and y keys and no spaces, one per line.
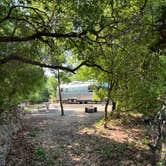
{"x":77,"y":92}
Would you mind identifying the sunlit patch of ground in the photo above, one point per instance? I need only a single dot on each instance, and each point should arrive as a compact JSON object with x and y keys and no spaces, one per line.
{"x":79,"y":139}
{"x":117,"y":130}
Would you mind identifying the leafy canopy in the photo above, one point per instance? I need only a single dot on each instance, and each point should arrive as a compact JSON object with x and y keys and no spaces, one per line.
{"x":119,"y":38}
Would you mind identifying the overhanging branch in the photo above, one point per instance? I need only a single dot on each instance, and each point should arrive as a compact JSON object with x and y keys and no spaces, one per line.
{"x":33,"y":62}
{"x":36,"y":63}
{"x":38,"y":35}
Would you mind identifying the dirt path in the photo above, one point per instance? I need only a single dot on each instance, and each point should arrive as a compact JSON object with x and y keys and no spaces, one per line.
{"x":72,"y":140}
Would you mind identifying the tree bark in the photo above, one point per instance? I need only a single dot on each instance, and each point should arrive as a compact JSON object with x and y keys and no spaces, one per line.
{"x":106,"y":105}
{"x":60,"y":96}
{"x":153,"y":155}
{"x":106,"y":114}
{"x":113,"y":106}
{"x":38,"y":35}
{"x":163,"y":152}
{"x":158,"y":140}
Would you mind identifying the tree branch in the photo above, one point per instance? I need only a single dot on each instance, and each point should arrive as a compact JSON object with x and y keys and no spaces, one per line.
{"x":36,"y":63}
{"x":25,"y":20}
{"x":143,"y":7}
{"x":37,"y":35}
{"x":33,"y":62}
{"x":36,"y":10}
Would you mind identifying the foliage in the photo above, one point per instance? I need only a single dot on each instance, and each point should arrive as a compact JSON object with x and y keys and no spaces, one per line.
{"x":40,"y":96}
{"x":115,"y":37}
{"x":18,"y":81}
{"x":135,"y":74}
{"x":121,"y":41}
{"x":52,"y":87}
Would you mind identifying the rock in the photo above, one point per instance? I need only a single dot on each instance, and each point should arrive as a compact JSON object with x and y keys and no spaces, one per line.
{"x":87,"y":149}
{"x":10,"y":123}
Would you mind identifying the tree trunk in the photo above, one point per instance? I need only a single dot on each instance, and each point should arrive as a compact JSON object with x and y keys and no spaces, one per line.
{"x":113,"y":108}
{"x":106,"y":114}
{"x":60,"y":96}
{"x":158,"y":141}
{"x":163,"y":131}
{"x":153,"y":156}
{"x":163,"y":152}
{"x":106,"y":105}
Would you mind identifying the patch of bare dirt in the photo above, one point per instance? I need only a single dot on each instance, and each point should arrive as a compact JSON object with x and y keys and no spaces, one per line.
{"x":76,"y":140}
{"x":22,"y":152}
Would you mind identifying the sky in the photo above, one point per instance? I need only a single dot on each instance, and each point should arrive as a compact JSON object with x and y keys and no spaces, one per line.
{"x":47,"y":72}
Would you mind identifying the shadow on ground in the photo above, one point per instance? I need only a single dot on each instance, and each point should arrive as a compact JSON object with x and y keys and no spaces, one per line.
{"x":52,"y":140}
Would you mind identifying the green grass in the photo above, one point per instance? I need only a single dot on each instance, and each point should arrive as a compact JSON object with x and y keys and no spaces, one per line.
{"x":41,"y":154}
{"x":43,"y":157}
{"x":113,"y":150}
{"x":33,"y":133}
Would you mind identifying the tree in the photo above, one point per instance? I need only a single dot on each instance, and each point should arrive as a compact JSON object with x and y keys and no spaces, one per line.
{"x":52,"y":87}
{"x":156,"y":133}
{"x":130,"y":67}
{"x":75,"y":23}
{"x":39,"y":96}
{"x":18,"y":81}
{"x":119,"y":40}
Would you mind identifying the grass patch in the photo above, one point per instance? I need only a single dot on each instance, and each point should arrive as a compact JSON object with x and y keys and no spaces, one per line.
{"x":42,"y":157}
{"x":41,"y":154}
{"x":113,"y":151}
{"x":33,"y":133}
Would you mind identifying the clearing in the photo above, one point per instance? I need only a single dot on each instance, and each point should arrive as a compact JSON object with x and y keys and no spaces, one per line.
{"x":77,"y":139}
